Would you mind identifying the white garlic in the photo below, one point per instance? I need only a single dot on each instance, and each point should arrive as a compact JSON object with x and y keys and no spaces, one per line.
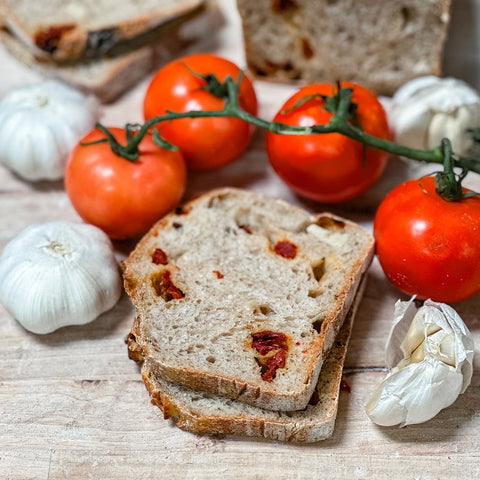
{"x":39,"y":126}
{"x":429,"y":355}
{"x":427,"y":109}
{"x":57,"y":274}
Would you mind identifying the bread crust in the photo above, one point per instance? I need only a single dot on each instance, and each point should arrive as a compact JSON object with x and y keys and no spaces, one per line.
{"x":260,"y":394}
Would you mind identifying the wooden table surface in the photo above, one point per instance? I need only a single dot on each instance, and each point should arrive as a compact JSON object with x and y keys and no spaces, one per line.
{"x":72,"y":405}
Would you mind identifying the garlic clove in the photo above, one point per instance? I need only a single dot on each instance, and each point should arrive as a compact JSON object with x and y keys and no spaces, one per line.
{"x":427,"y":109}
{"x":429,"y":355}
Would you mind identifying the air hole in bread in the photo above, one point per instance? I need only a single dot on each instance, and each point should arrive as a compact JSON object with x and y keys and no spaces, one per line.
{"x":280,"y":6}
{"x":230,"y":231}
{"x":318,"y":269}
{"x":262,"y":365}
{"x":317,"y":325}
{"x":264,"y":310}
{"x":315,"y":293}
{"x":330,"y":223}
{"x":211,"y":359}
{"x":177,"y":225}
{"x":406,"y":16}
{"x":217,"y":200}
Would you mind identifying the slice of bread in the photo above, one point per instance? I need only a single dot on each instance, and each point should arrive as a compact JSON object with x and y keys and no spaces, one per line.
{"x":379,"y":44}
{"x":66,"y":30}
{"x":242,"y":296}
{"x":208,"y":414}
{"x":106,"y":78}
{"x":110,"y":76}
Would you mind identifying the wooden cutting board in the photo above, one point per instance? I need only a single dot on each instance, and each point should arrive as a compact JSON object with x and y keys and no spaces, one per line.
{"x":72,"y":406}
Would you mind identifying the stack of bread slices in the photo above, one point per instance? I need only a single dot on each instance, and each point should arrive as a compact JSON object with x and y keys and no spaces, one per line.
{"x":244,"y":307}
{"x":102,"y":47}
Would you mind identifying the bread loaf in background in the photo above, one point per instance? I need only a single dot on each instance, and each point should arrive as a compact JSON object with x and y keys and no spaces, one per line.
{"x":380,"y":44}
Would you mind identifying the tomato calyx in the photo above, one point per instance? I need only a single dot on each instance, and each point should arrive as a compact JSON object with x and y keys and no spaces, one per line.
{"x":448,"y":184}
{"x":212,"y":83}
{"x":339,"y":103}
{"x":129,"y":151}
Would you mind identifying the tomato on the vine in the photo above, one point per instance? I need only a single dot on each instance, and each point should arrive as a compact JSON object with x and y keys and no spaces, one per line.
{"x":328,"y":167}
{"x":428,"y":246}
{"x":206,"y":143}
{"x":124,"y":198}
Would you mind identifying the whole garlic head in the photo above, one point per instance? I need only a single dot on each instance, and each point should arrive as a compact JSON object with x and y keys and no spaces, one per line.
{"x":39,"y":126}
{"x":427,"y":109}
{"x":429,"y":355}
{"x":57,"y":274}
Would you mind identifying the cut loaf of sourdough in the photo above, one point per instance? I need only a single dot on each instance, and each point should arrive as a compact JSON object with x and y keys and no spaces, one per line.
{"x":208,"y":414}
{"x":66,"y":30}
{"x":243,"y":296}
{"x":380,"y":44}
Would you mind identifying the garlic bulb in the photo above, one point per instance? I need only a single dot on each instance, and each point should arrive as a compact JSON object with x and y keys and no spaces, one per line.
{"x":57,"y":274}
{"x":429,"y":356}
{"x":39,"y":126}
{"x":427,"y":109}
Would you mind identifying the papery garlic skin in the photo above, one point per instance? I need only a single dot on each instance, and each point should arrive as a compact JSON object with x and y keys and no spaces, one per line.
{"x":428,"y":109}
{"x":39,"y":126}
{"x":429,"y":355}
{"x":57,"y":274}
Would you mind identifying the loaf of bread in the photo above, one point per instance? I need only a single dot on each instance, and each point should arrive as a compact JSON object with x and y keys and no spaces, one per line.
{"x":243,"y":296}
{"x":62,"y":30}
{"x":207,"y":414}
{"x":380,"y":44}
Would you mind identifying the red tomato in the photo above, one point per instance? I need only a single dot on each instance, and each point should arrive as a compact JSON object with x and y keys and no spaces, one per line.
{"x":206,"y":143}
{"x":121,"y":197}
{"x":328,"y":167}
{"x":428,"y":246}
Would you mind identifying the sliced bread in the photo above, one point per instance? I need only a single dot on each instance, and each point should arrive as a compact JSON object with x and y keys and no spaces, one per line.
{"x":243,"y":296}
{"x":380,"y":44}
{"x":208,"y":414}
{"x":109,"y":77}
{"x":66,"y":30}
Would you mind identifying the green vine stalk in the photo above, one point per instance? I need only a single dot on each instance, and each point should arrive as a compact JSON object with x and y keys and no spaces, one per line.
{"x":342,"y":122}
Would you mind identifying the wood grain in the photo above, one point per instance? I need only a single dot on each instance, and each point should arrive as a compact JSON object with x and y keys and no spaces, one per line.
{"x":73,"y":406}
